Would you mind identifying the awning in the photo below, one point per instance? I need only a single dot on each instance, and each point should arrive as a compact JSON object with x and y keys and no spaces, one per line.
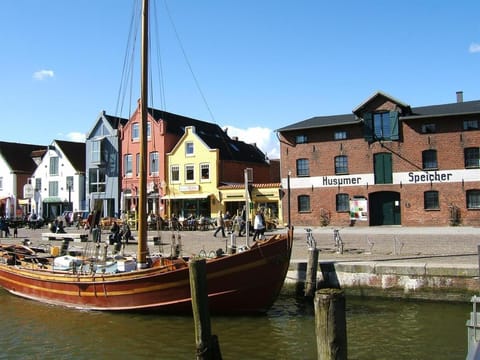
{"x":52,"y":199}
{"x":185,"y":196}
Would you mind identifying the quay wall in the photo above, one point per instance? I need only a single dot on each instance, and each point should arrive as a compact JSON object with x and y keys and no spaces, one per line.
{"x":405,"y":280}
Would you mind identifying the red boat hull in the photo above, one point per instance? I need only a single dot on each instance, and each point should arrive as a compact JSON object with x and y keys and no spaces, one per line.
{"x":246,"y":282}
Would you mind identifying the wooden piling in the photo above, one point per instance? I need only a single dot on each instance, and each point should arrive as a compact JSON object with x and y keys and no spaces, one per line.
{"x":311,"y":276}
{"x":330,"y":324}
{"x":207,"y":347}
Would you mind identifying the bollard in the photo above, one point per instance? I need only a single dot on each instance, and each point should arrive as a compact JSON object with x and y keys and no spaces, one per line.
{"x":311,"y":277}
{"x":206,"y":345}
{"x":330,"y":324}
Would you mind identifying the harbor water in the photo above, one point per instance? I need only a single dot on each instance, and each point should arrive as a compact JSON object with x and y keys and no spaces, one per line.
{"x":376,"y":329}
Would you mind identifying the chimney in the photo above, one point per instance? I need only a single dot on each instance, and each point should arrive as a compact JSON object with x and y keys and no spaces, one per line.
{"x":459,"y":96}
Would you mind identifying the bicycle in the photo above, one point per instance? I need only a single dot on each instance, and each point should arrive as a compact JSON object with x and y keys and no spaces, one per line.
{"x":337,"y":241}
{"x":311,"y":242}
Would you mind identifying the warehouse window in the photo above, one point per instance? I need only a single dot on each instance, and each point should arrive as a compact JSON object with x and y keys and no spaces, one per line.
{"x":472,"y":157}
{"x":301,"y":139}
{"x":430,"y":200}
{"x":381,"y":126}
{"x":429,"y":159}
{"x":303,"y":203}
{"x":470,"y":125}
{"x":340,"y":135}
{"x":342,"y":203}
{"x":473,"y":199}
{"x":341,"y":164}
{"x":303,"y":168}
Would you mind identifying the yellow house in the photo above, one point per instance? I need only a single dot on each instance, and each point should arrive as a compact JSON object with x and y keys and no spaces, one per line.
{"x":192,"y":177}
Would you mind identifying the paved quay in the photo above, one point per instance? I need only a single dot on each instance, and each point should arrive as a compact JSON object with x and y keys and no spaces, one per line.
{"x":436,"y":245}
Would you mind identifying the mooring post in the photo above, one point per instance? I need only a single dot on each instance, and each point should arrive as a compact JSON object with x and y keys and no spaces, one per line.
{"x":207,"y":346}
{"x":330,"y":324}
{"x":311,"y":277}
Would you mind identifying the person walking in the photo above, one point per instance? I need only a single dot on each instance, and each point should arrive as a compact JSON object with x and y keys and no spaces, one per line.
{"x":220,"y":224}
{"x":259,"y":225}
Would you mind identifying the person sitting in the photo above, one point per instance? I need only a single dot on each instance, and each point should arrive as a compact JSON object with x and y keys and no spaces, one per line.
{"x":114,"y":236}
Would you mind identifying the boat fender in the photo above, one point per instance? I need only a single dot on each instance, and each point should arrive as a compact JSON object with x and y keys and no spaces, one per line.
{"x":242,"y":248}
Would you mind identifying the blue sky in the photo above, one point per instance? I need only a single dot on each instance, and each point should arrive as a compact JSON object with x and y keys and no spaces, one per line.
{"x":259,"y":64}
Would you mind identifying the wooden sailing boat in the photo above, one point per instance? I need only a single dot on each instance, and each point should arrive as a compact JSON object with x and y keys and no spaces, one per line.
{"x":245,"y":282}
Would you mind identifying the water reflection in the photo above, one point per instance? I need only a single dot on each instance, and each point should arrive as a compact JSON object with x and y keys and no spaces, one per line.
{"x":377,"y":329}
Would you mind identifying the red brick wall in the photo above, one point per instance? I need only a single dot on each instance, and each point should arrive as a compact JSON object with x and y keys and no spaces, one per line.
{"x":321,"y":150}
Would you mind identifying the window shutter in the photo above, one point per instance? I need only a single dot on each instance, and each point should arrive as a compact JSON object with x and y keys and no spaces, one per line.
{"x":394,"y":125}
{"x":368,"y":127}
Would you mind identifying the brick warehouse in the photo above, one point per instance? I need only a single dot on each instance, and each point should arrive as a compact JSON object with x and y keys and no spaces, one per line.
{"x":386,"y":163}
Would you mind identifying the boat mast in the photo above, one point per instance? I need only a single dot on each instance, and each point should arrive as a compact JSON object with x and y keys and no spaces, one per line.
{"x":142,"y":202}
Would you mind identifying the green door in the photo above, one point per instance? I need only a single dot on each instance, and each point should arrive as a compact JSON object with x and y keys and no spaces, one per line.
{"x":382,"y":163}
{"x":384,"y":208}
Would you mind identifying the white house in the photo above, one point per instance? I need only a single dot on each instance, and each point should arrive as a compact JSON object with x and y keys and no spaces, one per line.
{"x":59,"y":180}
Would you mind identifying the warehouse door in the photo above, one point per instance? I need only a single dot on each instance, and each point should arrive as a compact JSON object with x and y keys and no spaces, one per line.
{"x":384,"y":208}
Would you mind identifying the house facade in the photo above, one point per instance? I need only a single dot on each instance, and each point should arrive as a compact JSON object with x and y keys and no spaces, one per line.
{"x":386,"y":163}
{"x":59,"y":180}
{"x":184,"y":168}
{"x":17,"y":164}
{"x":103,"y":175}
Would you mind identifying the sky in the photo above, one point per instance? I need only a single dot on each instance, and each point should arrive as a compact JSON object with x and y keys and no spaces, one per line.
{"x":252,"y":66}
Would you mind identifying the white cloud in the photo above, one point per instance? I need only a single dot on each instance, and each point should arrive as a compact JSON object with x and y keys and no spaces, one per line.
{"x":474,"y":48}
{"x":43,"y":74}
{"x":264,"y":138}
{"x":76,"y":136}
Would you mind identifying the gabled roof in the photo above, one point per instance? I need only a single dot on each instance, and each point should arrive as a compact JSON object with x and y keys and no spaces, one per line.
{"x":457,"y":108}
{"x":19,"y":156}
{"x":115,"y":122}
{"x":322,"y":121}
{"x":380,"y":95}
{"x":431,"y":111}
{"x":75,"y":152}
{"x":212,"y":135}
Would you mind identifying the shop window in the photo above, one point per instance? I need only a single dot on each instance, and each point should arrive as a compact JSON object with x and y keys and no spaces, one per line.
{"x":303,"y":203}
{"x":429,"y":159}
{"x":342,"y":203}
{"x":341,"y":164}
{"x":430,"y":200}
{"x":303,"y":168}
{"x":472,"y":157}
{"x":473,"y":199}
